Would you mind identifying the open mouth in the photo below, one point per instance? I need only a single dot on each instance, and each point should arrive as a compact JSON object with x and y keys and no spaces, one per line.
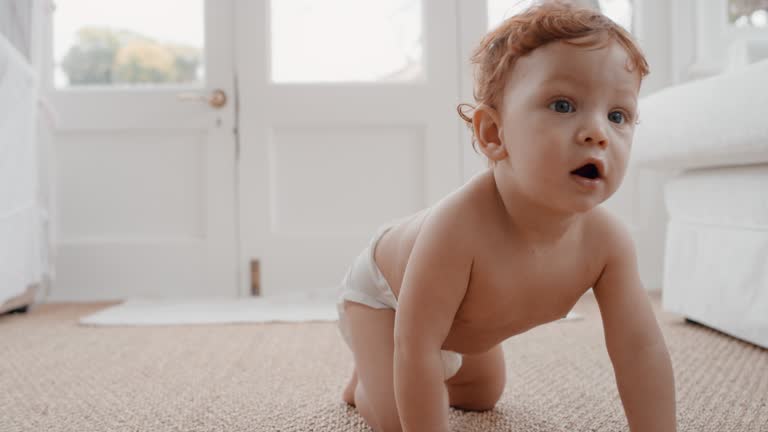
{"x":588,"y":171}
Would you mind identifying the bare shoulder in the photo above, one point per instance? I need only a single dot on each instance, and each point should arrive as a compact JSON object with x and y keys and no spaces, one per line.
{"x":452,"y":223}
{"x":461,"y":216}
{"x":443,"y":231}
{"x":619,"y":290}
{"x":610,"y":237}
{"x":627,"y":314}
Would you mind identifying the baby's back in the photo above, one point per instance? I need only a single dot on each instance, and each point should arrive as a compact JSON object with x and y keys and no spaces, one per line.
{"x":512,"y":287}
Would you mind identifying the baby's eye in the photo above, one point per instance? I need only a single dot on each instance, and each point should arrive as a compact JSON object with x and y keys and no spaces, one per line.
{"x":561,"y":106}
{"x":616,"y":117}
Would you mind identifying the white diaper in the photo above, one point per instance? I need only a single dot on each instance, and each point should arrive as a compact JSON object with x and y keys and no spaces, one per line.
{"x":365,"y":284}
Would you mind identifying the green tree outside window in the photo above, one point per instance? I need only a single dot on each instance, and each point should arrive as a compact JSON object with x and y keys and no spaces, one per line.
{"x":103,"y":56}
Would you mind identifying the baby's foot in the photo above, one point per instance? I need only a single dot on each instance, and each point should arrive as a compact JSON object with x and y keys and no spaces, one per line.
{"x":349,"y":393}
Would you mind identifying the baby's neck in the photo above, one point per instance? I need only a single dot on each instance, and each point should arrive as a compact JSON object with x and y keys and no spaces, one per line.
{"x":539,"y":228}
{"x":535,"y":224}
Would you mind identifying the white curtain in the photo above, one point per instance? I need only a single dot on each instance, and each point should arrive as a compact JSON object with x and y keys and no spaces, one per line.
{"x":16,"y":24}
{"x":25,"y":228}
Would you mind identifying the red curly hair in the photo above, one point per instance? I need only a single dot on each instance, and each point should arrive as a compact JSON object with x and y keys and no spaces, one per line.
{"x":537,"y":26}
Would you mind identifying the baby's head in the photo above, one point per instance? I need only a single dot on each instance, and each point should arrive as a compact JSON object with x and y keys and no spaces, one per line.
{"x":556,"y":90}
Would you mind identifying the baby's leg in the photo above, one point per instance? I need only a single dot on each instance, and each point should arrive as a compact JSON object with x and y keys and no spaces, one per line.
{"x":372,"y":342}
{"x":480,"y":382}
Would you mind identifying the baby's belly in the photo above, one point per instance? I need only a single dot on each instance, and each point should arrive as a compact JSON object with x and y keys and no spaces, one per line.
{"x":469,"y":339}
{"x":479,"y":326}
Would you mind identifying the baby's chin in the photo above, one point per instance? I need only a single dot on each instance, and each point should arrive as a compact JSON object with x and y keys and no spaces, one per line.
{"x":587,"y":204}
{"x":569,"y":204}
{"x":586,"y":208}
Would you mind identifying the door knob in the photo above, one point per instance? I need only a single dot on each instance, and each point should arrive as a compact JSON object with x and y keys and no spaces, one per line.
{"x":216,"y":99}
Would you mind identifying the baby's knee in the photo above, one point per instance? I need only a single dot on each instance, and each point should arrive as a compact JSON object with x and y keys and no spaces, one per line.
{"x":476,"y":397}
{"x":479,"y":404}
{"x":492,"y":396}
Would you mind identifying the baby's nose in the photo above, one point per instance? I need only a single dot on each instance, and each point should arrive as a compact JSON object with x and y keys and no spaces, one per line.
{"x":592,"y":134}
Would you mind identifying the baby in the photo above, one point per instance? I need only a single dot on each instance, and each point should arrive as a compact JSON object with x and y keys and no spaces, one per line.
{"x":425,"y":307}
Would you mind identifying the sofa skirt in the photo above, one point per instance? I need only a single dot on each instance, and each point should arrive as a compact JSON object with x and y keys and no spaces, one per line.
{"x":716,"y":256}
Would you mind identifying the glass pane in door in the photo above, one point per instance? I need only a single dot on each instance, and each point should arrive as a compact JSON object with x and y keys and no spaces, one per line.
{"x":128,"y":43}
{"x":499,"y":10}
{"x":620,"y":11}
{"x":346,"y":40}
{"x":748,"y":13}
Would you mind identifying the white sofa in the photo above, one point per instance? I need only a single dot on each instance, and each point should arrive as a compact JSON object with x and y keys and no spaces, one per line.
{"x":713,"y":135}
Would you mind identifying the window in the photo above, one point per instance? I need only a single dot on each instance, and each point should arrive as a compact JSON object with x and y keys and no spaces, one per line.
{"x":346,"y":40}
{"x":748,"y":13}
{"x":619,"y":11}
{"x":114,"y":42}
{"x":499,"y":10}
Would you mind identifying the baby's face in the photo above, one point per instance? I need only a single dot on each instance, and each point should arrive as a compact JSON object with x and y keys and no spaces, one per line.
{"x":567,"y":118}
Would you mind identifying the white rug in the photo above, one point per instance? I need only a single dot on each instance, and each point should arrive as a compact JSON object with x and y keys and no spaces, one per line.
{"x":153,"y":312}
{"x":149,"y":312}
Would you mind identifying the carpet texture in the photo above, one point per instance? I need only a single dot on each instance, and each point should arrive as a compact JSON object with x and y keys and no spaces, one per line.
{"x":58,"y":376}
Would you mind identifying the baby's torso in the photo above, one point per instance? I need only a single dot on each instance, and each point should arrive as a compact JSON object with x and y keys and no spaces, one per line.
{"x":510,"y":289}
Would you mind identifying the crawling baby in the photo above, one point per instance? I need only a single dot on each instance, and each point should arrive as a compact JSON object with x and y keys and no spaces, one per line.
{"x":426,"y":305}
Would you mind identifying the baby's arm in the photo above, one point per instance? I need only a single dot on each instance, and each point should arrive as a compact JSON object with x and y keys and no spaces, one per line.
{"x":635,"y":344}
{"x":433,"y":287}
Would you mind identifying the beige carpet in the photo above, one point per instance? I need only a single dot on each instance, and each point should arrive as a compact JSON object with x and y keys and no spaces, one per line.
{"x":58,"y":376}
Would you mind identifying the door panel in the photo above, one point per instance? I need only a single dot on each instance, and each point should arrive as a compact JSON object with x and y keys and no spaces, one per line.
{"x":324,"y":163}
{"x":366,"y":158}
{"x":146,"y":181}
{"x":117,"y":204}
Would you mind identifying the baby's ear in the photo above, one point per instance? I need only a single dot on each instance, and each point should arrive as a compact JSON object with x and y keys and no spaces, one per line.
{"x":486,"y":123}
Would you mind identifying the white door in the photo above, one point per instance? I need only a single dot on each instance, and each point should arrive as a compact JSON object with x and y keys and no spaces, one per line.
{"x":348,"y":120}
{"x":146,"y":150}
